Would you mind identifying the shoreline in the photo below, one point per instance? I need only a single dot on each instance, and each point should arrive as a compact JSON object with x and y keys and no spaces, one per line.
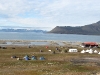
{"x":38,"y":42}
{"x":41,"y":43}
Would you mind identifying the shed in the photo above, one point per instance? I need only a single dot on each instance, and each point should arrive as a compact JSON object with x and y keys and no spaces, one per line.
{"x":73,"y":50}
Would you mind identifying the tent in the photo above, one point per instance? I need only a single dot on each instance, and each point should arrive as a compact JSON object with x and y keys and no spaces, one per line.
{"x":33,"y":58}
{"x":99,"y":53}
{"x":83,"y":51}
{"x":13,"y":56}
{"x":42,"y":58}
{"x":95,"y":51}
{"x":26,"y":57}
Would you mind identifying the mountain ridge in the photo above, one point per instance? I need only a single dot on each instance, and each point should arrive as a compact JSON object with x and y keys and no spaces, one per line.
{"x":90,"y":29}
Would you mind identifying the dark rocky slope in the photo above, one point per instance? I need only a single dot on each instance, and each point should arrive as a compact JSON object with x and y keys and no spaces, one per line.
{"x":91,"y":29}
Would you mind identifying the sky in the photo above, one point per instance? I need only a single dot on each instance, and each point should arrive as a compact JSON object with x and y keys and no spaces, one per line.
{"x":49,"y":13}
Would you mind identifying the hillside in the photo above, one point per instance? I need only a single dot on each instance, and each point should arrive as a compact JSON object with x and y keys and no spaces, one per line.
{"x":91,"y":29}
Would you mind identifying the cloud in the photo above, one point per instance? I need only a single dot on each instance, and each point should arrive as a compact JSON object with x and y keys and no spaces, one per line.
{"x":49,"y":12}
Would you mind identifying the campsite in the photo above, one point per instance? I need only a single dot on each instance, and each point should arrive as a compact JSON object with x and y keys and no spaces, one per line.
{"x":49,"y":60}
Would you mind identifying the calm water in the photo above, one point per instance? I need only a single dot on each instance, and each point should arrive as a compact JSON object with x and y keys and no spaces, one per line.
{"x":46,"y":36}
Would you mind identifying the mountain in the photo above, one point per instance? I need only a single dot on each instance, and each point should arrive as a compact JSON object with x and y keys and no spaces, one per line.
{"x":91,"y":29}
{"x":27,"y":28}
{"x":22,"y":29}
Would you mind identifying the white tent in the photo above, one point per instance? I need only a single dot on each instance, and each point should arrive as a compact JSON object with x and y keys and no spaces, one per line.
{"x":90,"y":51}
{"x":87,"y":50}
{"x":95,"y":51}
{"x":99,"y":53}
{"x":83,"y":51}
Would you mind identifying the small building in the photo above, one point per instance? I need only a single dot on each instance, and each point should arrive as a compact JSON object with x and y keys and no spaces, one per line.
{"x":89,"y":44}
{"x":73,"y":50}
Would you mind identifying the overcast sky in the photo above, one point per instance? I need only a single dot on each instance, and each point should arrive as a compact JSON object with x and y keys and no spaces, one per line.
{"x":49,"y":13}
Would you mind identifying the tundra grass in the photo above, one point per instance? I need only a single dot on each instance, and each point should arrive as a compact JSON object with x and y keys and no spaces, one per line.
{"x":54,"y":64}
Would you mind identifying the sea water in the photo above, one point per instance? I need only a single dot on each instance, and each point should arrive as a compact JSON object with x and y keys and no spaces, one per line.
{"x":48,"y":36}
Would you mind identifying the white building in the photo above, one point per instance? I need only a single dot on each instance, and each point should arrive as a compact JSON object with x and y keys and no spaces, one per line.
{"x":73,"y":50}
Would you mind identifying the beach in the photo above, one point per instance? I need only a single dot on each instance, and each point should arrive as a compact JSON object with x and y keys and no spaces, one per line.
{"x":38,"y":42}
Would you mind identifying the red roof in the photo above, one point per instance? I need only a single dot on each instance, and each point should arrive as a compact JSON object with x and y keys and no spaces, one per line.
{"x":91,"y":43}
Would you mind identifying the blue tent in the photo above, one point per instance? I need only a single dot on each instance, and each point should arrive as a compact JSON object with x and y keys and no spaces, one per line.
{"x":26,"y":57}
{"x":42,"y":58}
{"x":33,"y":58}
